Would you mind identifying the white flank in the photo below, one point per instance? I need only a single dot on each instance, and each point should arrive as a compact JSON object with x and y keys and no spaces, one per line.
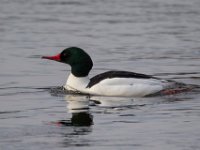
{"x":123,"y":87}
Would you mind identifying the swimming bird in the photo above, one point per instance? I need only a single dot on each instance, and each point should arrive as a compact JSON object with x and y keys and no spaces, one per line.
{"x":110,"y":83}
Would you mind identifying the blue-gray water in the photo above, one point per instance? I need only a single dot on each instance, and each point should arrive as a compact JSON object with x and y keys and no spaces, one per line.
{"x":157,"y":37}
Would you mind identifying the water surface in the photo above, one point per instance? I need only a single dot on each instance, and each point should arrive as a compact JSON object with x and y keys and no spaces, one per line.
{"x":155,"y":37}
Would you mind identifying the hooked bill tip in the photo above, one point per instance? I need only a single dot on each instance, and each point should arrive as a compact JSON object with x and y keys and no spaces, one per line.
{"x":44,"y":57}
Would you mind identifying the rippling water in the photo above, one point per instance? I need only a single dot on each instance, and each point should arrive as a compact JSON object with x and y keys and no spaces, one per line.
{"x":156,"y":37}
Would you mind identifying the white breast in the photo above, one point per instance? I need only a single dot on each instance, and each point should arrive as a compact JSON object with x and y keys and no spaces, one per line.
{"x":77,"y":83}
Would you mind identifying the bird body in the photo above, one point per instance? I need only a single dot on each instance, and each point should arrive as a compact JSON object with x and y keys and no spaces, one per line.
{"x":115,"y":86}
{"x":110,"y":83}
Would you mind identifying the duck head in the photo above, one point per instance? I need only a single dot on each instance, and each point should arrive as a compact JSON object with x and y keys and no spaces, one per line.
{"x":78,"y":59}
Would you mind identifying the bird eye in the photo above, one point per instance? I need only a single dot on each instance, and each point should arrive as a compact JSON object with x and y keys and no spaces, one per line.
{"x":66,"y":55}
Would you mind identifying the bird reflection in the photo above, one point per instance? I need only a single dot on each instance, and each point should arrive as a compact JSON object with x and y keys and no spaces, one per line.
{"x":78,"y":106}
{"x":82,"y":119}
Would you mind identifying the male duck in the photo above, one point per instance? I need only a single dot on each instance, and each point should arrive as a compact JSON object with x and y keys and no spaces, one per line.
{"x":111,"y":83}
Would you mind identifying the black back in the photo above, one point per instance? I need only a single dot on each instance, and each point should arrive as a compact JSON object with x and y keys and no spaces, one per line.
{"x":116,"y":74}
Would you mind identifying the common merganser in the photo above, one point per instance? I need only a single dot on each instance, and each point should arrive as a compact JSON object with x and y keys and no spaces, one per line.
{"x":110,"y":83}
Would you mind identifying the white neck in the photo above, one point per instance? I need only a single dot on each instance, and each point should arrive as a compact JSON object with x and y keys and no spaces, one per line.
{"x":77,"y":83}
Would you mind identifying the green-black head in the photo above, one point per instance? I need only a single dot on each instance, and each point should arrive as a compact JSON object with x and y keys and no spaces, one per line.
{"x":78,"y":59}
